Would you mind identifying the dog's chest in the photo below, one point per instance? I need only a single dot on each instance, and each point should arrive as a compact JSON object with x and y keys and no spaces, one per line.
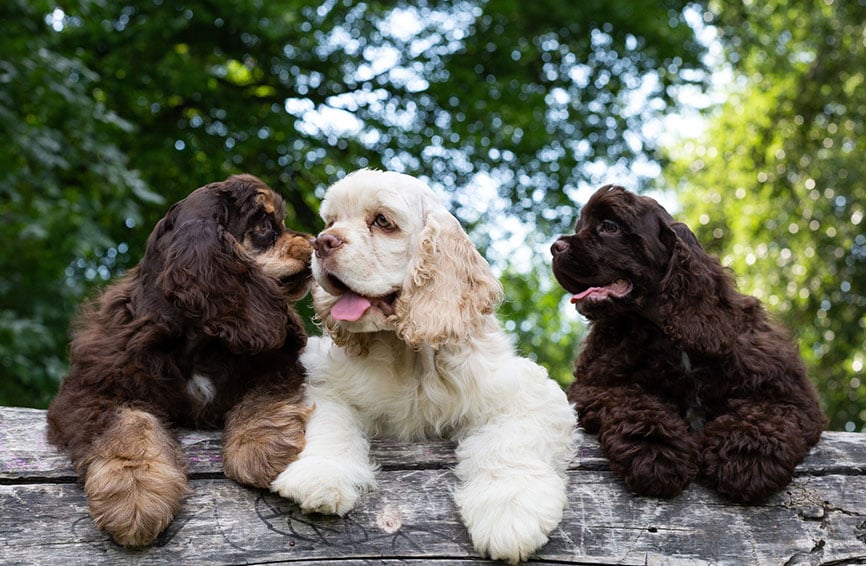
{"x":695,"y":412}
{"x":418,"y":411}
{"x":201,"y":390}
{"x":412,"y":405}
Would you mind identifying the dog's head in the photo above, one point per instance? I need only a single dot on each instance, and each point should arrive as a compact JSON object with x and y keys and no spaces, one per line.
{"x":620,"y":252}
{"x":392,"y":258}
{"x":628,"y":255}
{"x":224,"y":258}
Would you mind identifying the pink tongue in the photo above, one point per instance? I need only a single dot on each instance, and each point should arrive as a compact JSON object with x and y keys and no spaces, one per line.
{"x":583,"y":294}
{"x":350,"y":306}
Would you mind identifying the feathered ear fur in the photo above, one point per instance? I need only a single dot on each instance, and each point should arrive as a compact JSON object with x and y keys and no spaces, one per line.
{"x":205,"y":275}
{"x":697,"y":293}
{"x":449,"y":287}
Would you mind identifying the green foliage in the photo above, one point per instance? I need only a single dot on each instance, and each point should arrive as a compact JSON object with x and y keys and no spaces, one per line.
{"x":62,"y":180}
{"x":775,"y":187}
{"x":114,"y":110}
{"x":532,"y":313}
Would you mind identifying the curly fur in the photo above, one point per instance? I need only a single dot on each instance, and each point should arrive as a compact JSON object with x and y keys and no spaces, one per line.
{"x":445,"y":266}
{"x":681,"y":376}
{"x":201,"y":333}
{"x":427,"y":358}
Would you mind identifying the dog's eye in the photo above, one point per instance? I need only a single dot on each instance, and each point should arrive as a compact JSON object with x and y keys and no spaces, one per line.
{"x":382,"y":222}
{"x":609,"y":227}
{"x":264,"y":234}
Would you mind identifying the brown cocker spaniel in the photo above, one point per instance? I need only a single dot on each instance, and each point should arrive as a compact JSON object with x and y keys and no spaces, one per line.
{"x":201,"y":333}
{"x":681,"y":376}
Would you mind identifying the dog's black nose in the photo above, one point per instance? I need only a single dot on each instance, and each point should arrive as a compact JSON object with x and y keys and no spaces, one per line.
{"x":559,"y":246}
{"x":325,"y":244}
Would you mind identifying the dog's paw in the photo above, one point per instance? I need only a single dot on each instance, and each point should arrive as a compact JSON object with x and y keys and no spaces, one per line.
{"x":255,"y":450}
{"x":136,"y":481}
{"x":321,"y":486}
{"x":747,"y":463}
{"x":511,"y":516}
{"x":656,"y":472}
{"x":652,"y":461}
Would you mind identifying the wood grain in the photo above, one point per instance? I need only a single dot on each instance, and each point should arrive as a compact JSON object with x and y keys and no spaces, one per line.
{"x":819,"y":519}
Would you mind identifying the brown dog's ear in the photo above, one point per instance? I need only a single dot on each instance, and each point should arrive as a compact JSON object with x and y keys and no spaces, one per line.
{"x":449,"y":288}
{"x":696,"y":293}
{"x":206,"y":276}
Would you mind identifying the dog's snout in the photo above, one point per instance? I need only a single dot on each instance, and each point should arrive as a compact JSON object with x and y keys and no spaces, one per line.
{"x":325,"y":244}
{"x":559,"y":246}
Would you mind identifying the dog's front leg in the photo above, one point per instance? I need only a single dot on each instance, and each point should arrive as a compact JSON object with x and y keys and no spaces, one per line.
{"x":334,"y":467}
{"x":752,"y":451}
{"x":135,"y":478}
{"x":263,"y":434}
{"x":510,"y":500}
{"x":648,"y":443}
{"x":512,"y":488}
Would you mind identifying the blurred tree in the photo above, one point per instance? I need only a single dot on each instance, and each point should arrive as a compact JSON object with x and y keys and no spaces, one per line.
{"x":63,"y":180}
{"x":776,"y":187}
{"x":116,"y":109}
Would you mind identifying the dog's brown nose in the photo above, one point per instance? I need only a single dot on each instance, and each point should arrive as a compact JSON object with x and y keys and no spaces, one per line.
{"x":325,"y":244}
{"x":559,"y":246}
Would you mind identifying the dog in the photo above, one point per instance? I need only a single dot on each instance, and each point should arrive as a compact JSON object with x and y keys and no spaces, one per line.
{"x":412,"y":350}
{"x":201,"y":333}
{"x":681,"y":376}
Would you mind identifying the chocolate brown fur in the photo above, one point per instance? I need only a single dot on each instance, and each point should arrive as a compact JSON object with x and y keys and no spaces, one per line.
{"x":681,"y":376}
{"x":201,"y":333}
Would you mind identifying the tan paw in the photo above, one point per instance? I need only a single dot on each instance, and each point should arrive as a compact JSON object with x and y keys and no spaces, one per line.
{"x":259,"y":445}
{"x":136,"y":480}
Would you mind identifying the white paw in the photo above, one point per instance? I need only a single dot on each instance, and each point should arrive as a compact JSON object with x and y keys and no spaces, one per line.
{"x":321,"y":487}
{"x":510,"y":518}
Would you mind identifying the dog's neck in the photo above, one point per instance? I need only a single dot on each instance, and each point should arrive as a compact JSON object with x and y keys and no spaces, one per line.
{"x":651,"y":312}
{"x":423,"y":359}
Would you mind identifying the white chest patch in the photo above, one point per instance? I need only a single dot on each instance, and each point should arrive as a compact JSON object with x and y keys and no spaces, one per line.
{"x":201,"y":389}
{"x":687,"y":363}
{"x":696,"y":415}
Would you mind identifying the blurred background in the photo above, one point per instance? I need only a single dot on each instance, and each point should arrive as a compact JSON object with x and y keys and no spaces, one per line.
{"x":745,"y":119}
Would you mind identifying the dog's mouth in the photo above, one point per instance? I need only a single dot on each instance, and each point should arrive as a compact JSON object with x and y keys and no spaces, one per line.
{"x":616,"y":290}
{"x":351,"y":306}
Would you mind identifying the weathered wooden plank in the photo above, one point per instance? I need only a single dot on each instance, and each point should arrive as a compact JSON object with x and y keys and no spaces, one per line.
{"x":24,"y":452}
{"x":813,"y":519}
{"x":410,"y":516}
{"x":819,"y":519}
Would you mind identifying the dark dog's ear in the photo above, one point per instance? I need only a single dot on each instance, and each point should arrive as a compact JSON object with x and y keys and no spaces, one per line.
{"x":206,"y":276}
{"x":695,"y":294}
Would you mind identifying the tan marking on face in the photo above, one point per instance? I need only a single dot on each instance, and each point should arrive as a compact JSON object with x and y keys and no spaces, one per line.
{"x":266,"y":199}
{"x":289,"y":262}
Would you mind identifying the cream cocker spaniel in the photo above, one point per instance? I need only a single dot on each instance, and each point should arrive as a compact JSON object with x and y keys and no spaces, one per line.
{"x":413,"y":350}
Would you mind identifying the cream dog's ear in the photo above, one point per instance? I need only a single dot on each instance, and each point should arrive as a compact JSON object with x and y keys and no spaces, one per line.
{"x":448,"y":288}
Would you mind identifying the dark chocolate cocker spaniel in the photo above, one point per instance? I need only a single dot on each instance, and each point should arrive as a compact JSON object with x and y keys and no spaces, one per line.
{"x":681,"y":376}
{"x":201,"y":333}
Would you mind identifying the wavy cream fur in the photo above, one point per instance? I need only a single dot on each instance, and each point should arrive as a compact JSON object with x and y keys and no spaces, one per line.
{"x":440,"y":365}
{"x":450,"y":288}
